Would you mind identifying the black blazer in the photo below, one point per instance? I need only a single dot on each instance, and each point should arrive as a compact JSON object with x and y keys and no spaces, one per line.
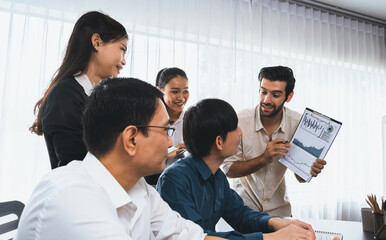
{"x":61,"y":121}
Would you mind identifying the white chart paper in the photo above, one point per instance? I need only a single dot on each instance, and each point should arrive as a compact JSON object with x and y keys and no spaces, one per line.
{"x":312,"y":139}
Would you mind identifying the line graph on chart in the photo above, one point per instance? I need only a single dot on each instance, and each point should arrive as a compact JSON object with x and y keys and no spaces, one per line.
{"x":317,"y":126}
{"x":296,"y":158}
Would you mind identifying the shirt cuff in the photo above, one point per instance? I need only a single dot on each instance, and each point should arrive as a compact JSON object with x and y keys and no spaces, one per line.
{"x":259,"y":236}
{"x":265,"y":220}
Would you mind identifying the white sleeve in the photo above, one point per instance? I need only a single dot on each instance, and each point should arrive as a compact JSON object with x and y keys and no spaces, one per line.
{"x":71,"y":213}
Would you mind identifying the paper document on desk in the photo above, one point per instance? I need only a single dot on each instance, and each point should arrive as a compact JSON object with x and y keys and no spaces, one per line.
{"x":322,"y":235}
{"x":312,"y":139}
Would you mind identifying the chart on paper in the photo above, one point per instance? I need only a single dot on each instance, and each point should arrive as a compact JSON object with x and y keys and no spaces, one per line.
{"x":312,"y":139}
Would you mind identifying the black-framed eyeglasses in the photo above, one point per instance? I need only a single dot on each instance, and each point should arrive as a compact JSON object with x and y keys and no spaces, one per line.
{"x":170,"y":130}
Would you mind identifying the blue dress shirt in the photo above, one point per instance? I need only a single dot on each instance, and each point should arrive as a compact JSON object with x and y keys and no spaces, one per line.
{"x":190,"y":188}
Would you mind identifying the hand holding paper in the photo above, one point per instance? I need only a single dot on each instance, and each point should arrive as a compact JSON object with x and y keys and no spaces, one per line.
{"x":317,"y":167}
{"x":274,"y":149}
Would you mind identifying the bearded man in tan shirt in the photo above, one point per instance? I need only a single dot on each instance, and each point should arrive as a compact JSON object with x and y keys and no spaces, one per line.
{"x":255,"y":172}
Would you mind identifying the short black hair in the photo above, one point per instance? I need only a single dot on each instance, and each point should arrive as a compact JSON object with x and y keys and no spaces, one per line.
{"x":167,"y":74}
{"x":205,"y":121}
{"x":279,"y":73}
{"x":113,"y":105}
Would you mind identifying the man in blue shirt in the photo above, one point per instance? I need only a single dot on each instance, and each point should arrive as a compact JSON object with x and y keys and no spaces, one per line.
{"x":196,"y":188}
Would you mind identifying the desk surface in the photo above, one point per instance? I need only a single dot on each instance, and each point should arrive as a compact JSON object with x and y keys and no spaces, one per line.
{"x":350,"y":230}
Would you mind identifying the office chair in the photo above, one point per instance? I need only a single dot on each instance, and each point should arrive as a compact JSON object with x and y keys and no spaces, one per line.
{"x":11,"y":207}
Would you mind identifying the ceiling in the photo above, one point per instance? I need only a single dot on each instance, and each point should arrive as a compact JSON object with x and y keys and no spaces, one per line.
{"x":371,"y":8}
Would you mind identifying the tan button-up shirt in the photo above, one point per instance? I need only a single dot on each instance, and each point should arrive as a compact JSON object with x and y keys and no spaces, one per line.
{"x":265,"y":189}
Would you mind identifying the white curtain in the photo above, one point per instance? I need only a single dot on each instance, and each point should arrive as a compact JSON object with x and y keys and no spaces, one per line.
{"x":339,"y":64}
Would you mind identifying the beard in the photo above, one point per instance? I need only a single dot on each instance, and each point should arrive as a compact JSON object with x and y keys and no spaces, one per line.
{"x":275,"y":111}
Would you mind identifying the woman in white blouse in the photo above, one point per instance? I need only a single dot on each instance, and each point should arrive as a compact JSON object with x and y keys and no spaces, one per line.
{"x":173,"y":82}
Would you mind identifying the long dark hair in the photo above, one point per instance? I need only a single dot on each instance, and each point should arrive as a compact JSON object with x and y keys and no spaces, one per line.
{"x":78,"y":52}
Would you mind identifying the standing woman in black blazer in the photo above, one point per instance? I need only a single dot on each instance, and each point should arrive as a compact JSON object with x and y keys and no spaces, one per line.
{"x":96,"y":50}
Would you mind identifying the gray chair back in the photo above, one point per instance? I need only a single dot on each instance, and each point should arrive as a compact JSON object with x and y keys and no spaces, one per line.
{"x":7,"y":208}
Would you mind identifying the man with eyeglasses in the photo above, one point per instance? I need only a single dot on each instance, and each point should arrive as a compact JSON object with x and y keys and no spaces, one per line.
{"x":127,"y":134}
